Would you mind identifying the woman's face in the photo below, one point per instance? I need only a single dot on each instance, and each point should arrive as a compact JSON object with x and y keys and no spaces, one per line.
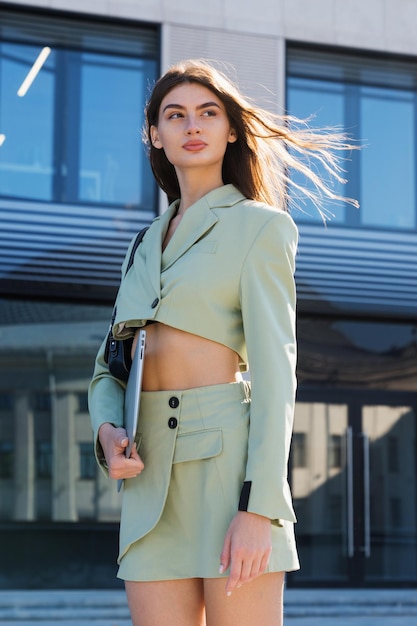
{"x":193,"y":128}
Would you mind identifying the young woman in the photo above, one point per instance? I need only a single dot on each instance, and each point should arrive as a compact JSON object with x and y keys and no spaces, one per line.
{"x":207,"y":526}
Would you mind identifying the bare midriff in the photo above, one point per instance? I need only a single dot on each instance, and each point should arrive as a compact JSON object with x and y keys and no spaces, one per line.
{"x":175,"y":359}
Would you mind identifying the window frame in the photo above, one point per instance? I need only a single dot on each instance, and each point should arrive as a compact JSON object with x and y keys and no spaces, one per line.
{"x":77,"y":256}
{"x":385,"y":71}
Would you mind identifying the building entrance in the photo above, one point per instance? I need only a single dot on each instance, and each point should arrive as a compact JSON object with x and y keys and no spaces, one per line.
{"x":353,"y":476}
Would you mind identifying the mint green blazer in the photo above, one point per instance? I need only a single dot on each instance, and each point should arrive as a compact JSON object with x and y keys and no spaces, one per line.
{"x":227,"y":275}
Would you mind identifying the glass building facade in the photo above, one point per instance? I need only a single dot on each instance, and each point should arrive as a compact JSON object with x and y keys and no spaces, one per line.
{"x":75,"y":187}
{"x":353,"y":466}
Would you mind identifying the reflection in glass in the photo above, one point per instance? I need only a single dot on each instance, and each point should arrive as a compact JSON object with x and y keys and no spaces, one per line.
{"x":75,"y":182}
{"x":318,"y":489}
{"x":6,"y":459}
{"x":388,"y":172}
{"x":88,"y":464}
{"x":27,"y":157}
{"x":33,"y":72}
{"x":111,"y":119}
{"x":44,"y":459}
{"x":299,"y":450}
{"x":46,"y":361}
{"x":374,"y":101}
{"x":368,"y":370}
{"x":322,"y":103}
{"x":75,"y":137}
{"x":357,"y":354}
{"x":335,"y":450}
{"x":393,"y":487}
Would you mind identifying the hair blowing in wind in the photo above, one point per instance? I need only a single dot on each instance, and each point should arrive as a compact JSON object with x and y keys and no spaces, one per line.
{"x":269,"y":147}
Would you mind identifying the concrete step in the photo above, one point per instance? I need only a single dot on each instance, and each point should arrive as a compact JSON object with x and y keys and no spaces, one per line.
{"x":302,"y":606}
{"x":350,"y":602}
{"x":53,"y":606}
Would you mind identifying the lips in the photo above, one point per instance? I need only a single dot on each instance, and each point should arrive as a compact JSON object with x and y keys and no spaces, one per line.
{"x":194,"y":145}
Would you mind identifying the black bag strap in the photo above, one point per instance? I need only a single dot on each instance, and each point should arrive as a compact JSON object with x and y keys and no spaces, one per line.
{"x":138,"y":239}
{"x":110,"y":339}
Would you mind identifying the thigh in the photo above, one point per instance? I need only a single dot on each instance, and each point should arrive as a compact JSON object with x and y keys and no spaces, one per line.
{"x":257,"y":602}
{"x":173,"y":602}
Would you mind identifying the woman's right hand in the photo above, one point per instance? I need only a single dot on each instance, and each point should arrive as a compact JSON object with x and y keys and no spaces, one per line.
{"x":114,"y":442}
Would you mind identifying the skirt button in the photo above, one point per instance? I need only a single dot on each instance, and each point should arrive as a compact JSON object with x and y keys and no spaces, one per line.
{"x":173,"y":402}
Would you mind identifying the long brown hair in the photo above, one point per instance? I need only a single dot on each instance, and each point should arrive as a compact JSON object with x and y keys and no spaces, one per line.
{"x":267,"y":148}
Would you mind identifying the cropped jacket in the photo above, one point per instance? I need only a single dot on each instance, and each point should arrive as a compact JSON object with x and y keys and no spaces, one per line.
{"x":226,"y":275}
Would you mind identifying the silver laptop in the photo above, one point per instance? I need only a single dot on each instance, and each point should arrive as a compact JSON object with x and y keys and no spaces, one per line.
{"x":132,"y":397}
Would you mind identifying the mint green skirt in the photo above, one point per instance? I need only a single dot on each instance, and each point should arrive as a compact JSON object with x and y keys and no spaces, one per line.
{"x":175,"y":514}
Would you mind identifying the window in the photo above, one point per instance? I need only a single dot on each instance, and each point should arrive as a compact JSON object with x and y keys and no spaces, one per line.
{"x":50,"y":344}
{"x":375,"y":101}
{"x":6,"y":402}
{"x":75,"y":183}
{"x":85,"y":147}
{"x":82,"y":402}
{"x":88,"y":463}
{"x":335,"y":451}
{"x":299,"y":450}
{"x":42,"y":402}
{"x":6,"y":459}
{"x":44,"y":459}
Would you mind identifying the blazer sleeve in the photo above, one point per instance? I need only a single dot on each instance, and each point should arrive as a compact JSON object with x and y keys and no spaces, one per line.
{"x":105,"y":393}
{"x":105,"y":401}
{"x":268,"y":302}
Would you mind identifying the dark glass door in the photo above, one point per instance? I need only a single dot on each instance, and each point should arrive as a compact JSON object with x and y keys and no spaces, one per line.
{"x":353,"y":477}
{"x":390,"y":521}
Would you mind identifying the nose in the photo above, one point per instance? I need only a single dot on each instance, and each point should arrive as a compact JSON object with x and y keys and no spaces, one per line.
{"x":193,"y":128}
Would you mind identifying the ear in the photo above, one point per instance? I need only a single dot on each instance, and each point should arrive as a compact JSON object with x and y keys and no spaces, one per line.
{"x":232,"y":136}
{"x":155,"y":138}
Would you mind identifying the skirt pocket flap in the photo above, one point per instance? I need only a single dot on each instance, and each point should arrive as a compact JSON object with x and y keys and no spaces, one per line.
{"x":201,"y":444}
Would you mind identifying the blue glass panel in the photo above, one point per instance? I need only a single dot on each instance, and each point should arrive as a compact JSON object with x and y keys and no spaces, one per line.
{"x":111,"y":118}
{"x":324,"y":103}
{"x":26,"y":156}
{"x":72,"y":168}
{"x":388,"y":163}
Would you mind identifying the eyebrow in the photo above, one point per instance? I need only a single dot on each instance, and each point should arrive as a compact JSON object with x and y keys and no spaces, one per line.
{"x":200,"y":106}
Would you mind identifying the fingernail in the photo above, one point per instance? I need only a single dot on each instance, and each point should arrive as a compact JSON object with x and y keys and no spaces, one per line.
{"x":221,"y":569}
{"x":229,"y":593}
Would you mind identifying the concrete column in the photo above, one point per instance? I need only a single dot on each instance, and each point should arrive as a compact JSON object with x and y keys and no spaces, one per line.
{"x":24,"y":460}
{"x":64,"y":457}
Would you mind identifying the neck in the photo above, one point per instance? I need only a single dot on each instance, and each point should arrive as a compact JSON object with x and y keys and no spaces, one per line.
{"x":195,"y":185}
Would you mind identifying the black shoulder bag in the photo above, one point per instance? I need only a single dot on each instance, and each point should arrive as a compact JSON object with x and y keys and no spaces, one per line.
{"x":117,"y":353}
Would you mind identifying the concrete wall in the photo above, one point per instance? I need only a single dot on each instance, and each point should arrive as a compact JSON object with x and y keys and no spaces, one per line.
{"x":386,"y":25}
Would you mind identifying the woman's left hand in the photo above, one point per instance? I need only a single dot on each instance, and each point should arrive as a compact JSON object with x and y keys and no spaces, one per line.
{"x":246,"y":548}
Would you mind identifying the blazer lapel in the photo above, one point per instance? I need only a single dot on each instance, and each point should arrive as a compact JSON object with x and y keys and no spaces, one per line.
{"x":196,"y":221}
{"x":155,"y":237}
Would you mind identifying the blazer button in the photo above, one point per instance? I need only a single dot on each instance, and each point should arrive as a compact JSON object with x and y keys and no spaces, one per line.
{"x":173,"y":402}
{"x":155,"y":303}
{"x":172,"y":422}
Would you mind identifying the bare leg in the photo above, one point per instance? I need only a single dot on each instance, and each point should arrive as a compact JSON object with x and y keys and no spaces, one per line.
{"x":257,"y":602}
{"x":173,"y":602}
